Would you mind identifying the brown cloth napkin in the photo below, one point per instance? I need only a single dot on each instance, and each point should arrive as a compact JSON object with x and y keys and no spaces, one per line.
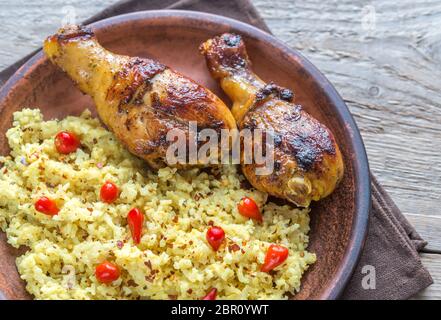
{"x":392,"y":243}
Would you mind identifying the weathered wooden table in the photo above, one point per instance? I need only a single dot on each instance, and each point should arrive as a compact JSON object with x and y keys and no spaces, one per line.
{"x":381,"y":55}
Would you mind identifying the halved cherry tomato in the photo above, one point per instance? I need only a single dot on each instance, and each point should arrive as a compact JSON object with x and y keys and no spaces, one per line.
{"x":66,"y":142}
{"x":46,"y":206}
{"x":248,"y":208}
{"x":211,"y":295}
{"x":275,"y":256}
{"x":107,"y":272}
{"x":215,"y":236}
{"x":135,"y":218}
{"x":109,"y":192}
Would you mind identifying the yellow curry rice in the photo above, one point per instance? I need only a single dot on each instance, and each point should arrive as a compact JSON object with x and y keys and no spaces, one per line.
{"x":173,"y":259}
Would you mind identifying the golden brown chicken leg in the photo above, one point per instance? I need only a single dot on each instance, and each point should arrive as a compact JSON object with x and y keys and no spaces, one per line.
{"x":307,"y":161}
{"x":140,"y":100}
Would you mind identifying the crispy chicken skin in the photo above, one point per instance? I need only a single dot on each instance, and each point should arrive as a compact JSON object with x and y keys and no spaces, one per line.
{"x":138,"y":99}
{"x":307,"y":161}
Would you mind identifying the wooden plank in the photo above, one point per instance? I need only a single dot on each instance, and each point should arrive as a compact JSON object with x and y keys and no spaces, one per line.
{"x":25,"y":24}
{"x":433,"y":264}
{"x":429,"y":227}
{"x":388,"y":74}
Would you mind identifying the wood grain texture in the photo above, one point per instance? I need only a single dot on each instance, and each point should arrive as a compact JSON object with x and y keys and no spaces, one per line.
{"x":430,"y":228}
{"x":26,"y":23}
{"x":387,"y":72}
{"x":389,"y":76}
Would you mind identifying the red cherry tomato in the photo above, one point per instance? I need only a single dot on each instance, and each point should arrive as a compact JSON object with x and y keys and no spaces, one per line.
{"x":107,"y":272}
{"x":109,"y":192}
{"x":66,"y":142}
{"x":46,"y":206}
{"x":135,"y":218}
{"x":248,"y":208}
{"x":211,"y":295}
{"x":275,"y":256}
{"x":215,"y":236}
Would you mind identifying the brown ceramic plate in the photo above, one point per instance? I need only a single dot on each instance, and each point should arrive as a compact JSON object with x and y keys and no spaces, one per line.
{"x":338,"y":223}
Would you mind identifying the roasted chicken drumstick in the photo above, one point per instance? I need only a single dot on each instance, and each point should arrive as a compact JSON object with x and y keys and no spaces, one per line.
{"x":140,"y":100}
{"x":307,"y":161}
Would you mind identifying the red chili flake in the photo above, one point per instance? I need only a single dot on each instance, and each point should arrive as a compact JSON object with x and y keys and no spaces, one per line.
{"x":148,"y":263}
{"x":35,"y":155}
{"x":233,"y":247}
{"x":131,"y":283}
{"x":173,"y":297}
